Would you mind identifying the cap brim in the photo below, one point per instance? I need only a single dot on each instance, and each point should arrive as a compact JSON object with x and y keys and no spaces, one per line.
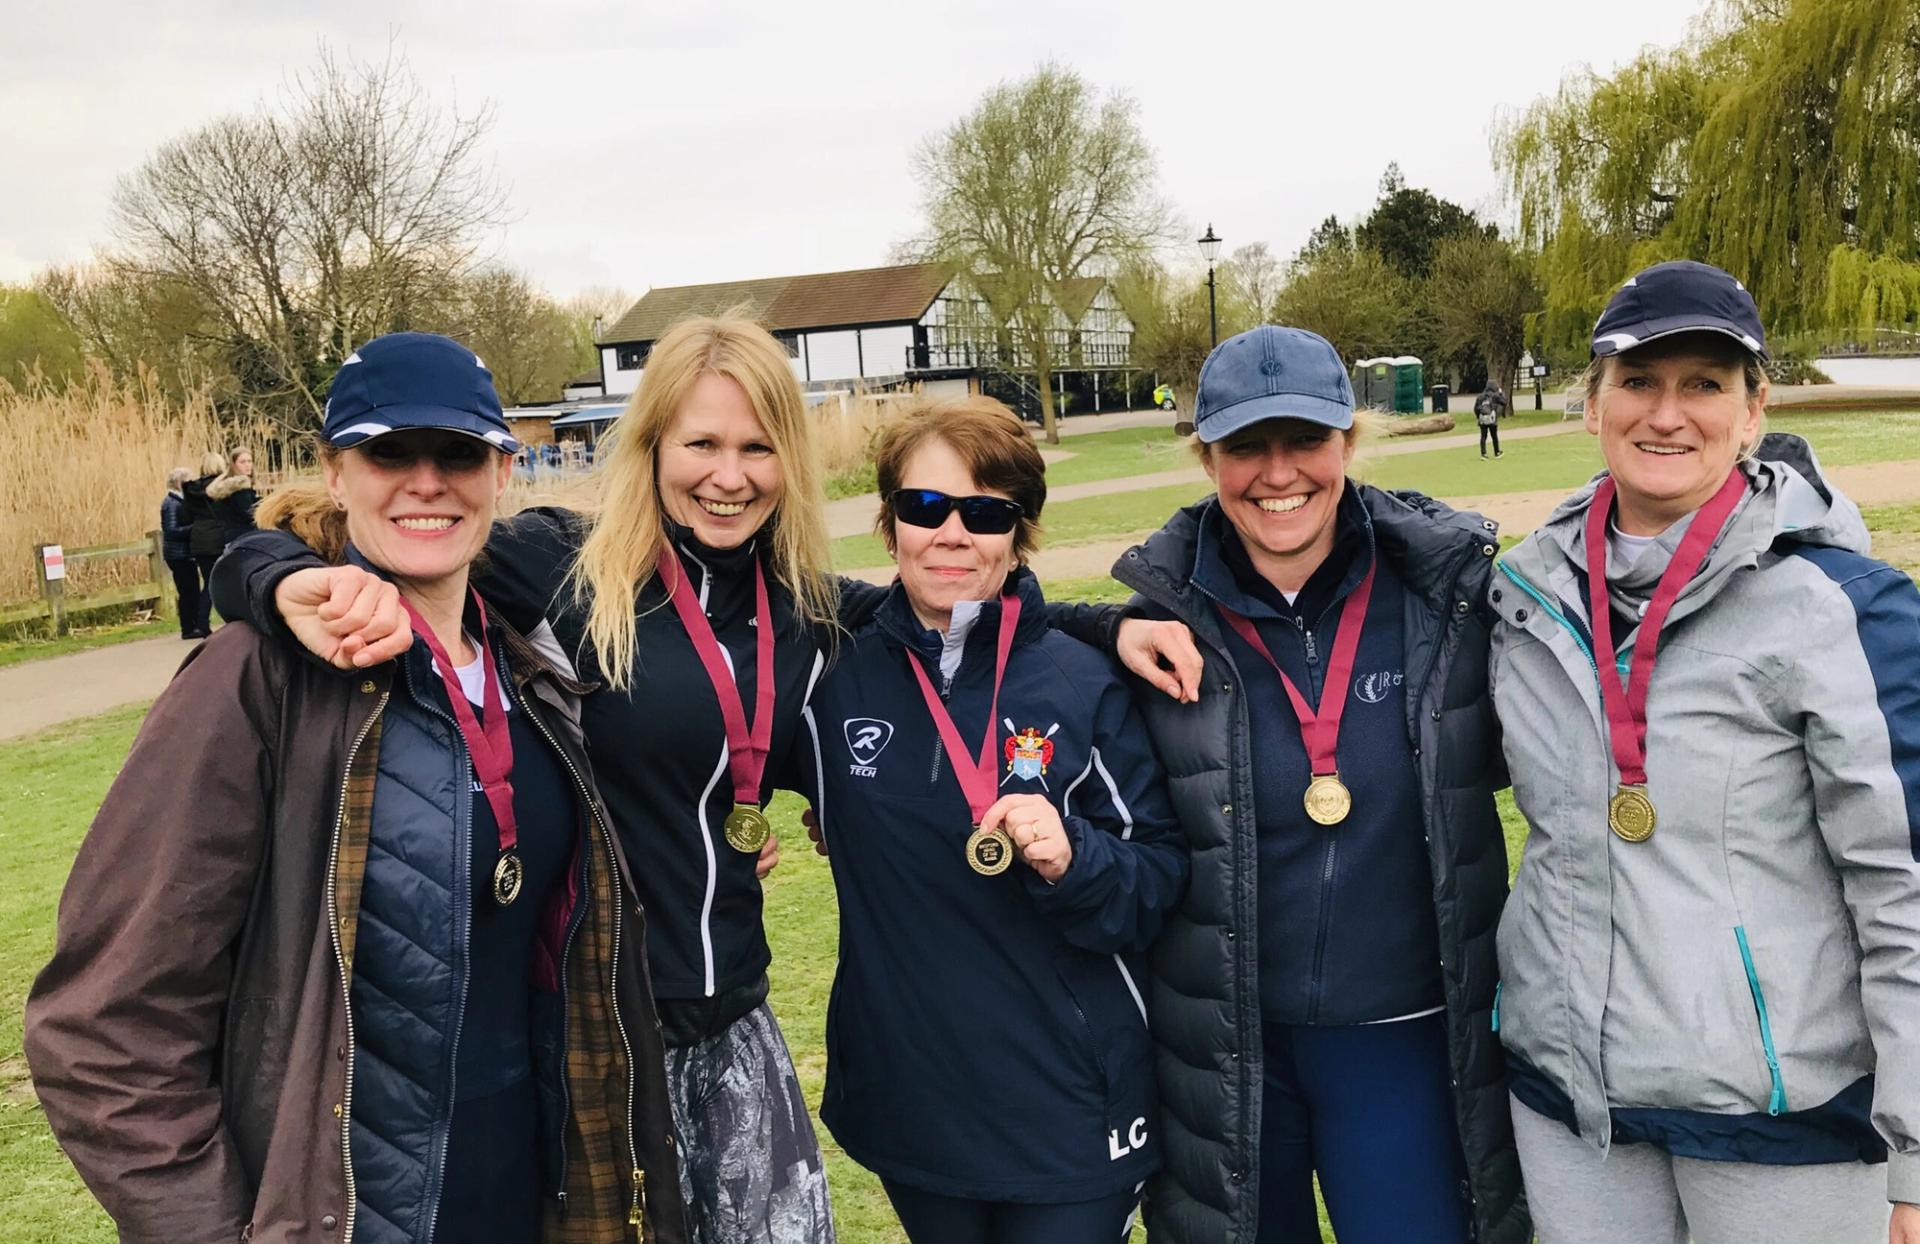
{"x":1220,"y":424}
{"x":408,"y":418}
{"x":1634,"y":335}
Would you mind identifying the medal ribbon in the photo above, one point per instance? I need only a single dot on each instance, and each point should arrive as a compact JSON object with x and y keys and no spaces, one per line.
{"x":974,"y":775}
{"x":491,"y":747}
{"x":747,"y":747}
{"x":1320,"y":730}
{"x":1627,"y":705}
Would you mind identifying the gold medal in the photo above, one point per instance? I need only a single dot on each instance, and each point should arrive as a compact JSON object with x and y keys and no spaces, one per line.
{"x":508,"y":875}
{"x":1328,"y":799}
{"x":1630,"y":813}
{"x":989,"y":851}
{"x":747,"y":829}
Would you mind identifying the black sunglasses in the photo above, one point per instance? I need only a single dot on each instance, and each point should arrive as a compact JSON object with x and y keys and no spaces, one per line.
{"x":983,"y":516}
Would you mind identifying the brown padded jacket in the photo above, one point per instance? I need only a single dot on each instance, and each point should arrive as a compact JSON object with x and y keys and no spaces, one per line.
{"x":191,"y":1040}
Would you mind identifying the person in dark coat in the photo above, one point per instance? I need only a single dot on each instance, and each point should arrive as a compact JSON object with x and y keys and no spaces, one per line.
{"x":206,"y":534}
{"x":358,"y":957}
{"x":1488,"y":410}
{"x":234,"y":498}
{"x":176,"y":549}
{"x":1322,"y":1000}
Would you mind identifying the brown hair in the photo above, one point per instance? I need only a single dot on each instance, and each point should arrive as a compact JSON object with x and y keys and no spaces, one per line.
{"x":307,"y":510}
{"x":993,"y":443}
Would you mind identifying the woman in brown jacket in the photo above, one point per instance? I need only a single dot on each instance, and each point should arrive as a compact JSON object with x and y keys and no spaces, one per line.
{"x":354,"y":957}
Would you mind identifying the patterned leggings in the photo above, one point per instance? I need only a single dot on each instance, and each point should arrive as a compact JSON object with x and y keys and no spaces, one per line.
{"x":750,"y":1168}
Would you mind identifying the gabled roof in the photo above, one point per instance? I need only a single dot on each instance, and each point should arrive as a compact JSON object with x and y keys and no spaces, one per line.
{"x":1075,"y":295}
{"x":900,"y":293}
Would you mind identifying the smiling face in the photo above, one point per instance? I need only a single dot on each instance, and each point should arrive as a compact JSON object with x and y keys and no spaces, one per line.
{"x":419,"y":502}
{"x":716,"y":469}
{"x":1279,"y":483}
{"x":941,"y":566}
{"x":1673,"y":420}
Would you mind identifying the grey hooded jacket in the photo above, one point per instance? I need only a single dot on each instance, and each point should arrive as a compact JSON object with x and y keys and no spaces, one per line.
{"x":1745,"y":985}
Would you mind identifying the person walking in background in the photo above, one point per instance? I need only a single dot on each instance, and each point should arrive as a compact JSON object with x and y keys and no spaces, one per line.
{"x":176,"y":549}
{"x":1488,"y":410}
{"x":206,"y":534}
{"x":354,"y":958}
{"x":1710,"y":701}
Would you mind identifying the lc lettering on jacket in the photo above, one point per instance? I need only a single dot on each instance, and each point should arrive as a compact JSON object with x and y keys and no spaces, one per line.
{"x":1136,"y":1138}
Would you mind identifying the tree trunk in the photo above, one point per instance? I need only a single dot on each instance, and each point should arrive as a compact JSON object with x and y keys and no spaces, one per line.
{"x":1043,"y":381}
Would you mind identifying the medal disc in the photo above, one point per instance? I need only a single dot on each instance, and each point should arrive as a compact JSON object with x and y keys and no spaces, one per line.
{"x":747,"y":829}
{"x":1328,"y":799}
{"x":508,"y":874}
{"x":989,"y":852}
{"x":1630,"y":814}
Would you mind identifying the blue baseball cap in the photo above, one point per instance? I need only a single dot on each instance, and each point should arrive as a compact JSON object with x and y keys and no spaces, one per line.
{"x":1679,"y":297}
{"x":1271,"y":372}
{"x":414,"y":380}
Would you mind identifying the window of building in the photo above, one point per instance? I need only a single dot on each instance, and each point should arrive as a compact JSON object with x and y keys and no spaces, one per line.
{"x":791,"y":341}
{"x":633,"y":358}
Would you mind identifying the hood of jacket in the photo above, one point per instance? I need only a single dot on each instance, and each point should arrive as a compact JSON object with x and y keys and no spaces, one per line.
{"x":226,"y":486}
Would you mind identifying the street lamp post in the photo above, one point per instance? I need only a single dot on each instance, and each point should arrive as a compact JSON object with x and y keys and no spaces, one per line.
{"x":1210,"y":251}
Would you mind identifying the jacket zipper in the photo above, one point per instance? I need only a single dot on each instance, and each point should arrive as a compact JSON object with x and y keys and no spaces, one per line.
{"x":636,"y":1217}
{"x":939,"y":748}
{"x":465,"y":920}
{"x":1326,"y":920}
{"x":1777,"y":1100}
{"x":340,"y":960}
{"x":1556,"y":615}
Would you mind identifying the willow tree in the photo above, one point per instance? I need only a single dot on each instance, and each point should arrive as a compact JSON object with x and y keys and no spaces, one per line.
{"x":1778,"y":133}
{"x":1041,"y":183}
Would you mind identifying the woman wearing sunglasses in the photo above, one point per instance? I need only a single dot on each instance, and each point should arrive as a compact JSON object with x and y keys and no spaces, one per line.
{"x":1003,"y":851}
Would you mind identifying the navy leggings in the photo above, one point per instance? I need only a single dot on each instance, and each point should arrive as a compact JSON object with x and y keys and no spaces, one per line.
{"x":1369,"y":1108}
{"x":932,"y":1219}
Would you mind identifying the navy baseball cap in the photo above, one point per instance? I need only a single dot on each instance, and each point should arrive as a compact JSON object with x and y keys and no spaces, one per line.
{"x":414,"y":380}
{"x":1271,"y":372}
{"x":1679,"y":297}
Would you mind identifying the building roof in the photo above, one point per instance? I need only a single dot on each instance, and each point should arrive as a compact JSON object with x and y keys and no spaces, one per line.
{"x":585,"y":377}
{"x":1075,"y":295}
{"x":900,"y":293}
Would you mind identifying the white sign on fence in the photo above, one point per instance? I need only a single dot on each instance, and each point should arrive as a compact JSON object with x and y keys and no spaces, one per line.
{"x":54,"y":558}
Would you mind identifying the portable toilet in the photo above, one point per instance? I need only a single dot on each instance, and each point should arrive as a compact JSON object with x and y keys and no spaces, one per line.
{"x":1409,"y":385}
{"x":1373,"y":383}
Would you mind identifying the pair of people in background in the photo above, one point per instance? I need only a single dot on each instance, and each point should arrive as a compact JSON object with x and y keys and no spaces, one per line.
{"x":199,"y":518}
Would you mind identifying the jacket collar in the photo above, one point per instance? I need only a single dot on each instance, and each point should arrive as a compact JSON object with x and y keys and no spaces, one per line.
{"x":900,"y":626}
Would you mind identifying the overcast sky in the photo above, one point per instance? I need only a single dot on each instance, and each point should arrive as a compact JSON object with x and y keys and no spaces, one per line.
{"x":652,"y":144}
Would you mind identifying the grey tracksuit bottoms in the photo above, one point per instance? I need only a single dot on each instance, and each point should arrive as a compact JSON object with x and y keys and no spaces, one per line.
{"x":1646,"y":1195}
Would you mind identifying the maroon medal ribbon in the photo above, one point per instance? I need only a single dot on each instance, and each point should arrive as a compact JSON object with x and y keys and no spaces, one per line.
{"x":747,"y":743}
{"x":1328,"y":800}
{"x":1631,"y":811}
{"x":992,"y":851}
{"x":490,"y":747}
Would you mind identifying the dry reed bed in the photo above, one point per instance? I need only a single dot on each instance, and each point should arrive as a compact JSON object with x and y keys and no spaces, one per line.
{"x":86,"y":464}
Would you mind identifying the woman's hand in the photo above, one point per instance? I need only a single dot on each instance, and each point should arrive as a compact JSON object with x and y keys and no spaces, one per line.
{"x":344,"y":615}
{"x":1037,"y":833}
{"x":769,"y":859}
{"x":1905,"y":1228}
{"x":811,"y":820}
{"x":1143,"y":646}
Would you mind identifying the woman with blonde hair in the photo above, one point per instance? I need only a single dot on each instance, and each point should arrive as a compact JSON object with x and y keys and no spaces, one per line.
{"x":699,"y":597}
{"x":353,"y":958}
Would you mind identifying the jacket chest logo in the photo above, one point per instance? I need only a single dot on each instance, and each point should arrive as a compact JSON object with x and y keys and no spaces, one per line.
{"x":1028,"y":753}
{"x":866,"y":738}
{"x":1373,"y":688}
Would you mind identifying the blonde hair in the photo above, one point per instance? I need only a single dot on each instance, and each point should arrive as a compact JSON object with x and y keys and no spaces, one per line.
{"x":213,"y":463}
{"x":307,"y":510}
{"x":622,"y":547}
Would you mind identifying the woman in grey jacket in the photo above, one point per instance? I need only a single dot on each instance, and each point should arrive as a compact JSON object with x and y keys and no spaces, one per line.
{"x":1710,"y":700}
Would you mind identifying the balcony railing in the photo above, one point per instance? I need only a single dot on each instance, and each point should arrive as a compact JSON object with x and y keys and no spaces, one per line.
{"x":987,"y":355}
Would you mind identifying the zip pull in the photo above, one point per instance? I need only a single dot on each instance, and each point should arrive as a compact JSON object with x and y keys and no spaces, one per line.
{"x":1313,"y":652}
{"x":636,"y":1218}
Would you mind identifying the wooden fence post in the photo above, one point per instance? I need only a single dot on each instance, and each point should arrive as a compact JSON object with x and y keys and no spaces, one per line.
{"x":157,"y":567}
{"x":54,"y":588}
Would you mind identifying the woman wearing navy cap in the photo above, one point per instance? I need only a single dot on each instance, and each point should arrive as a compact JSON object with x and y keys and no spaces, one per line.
{"x":1321,"y":999}
{"x":354,"y":958}
{"x":1711,"y":703}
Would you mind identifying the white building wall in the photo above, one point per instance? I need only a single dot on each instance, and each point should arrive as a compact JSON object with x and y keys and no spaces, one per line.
{"x":886,"y":349}
{"x":619,"y":383}
{"x":832,"y":356}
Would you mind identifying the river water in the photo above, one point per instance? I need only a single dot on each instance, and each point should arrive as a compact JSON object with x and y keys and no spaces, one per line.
{"x":1847,"y":369}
